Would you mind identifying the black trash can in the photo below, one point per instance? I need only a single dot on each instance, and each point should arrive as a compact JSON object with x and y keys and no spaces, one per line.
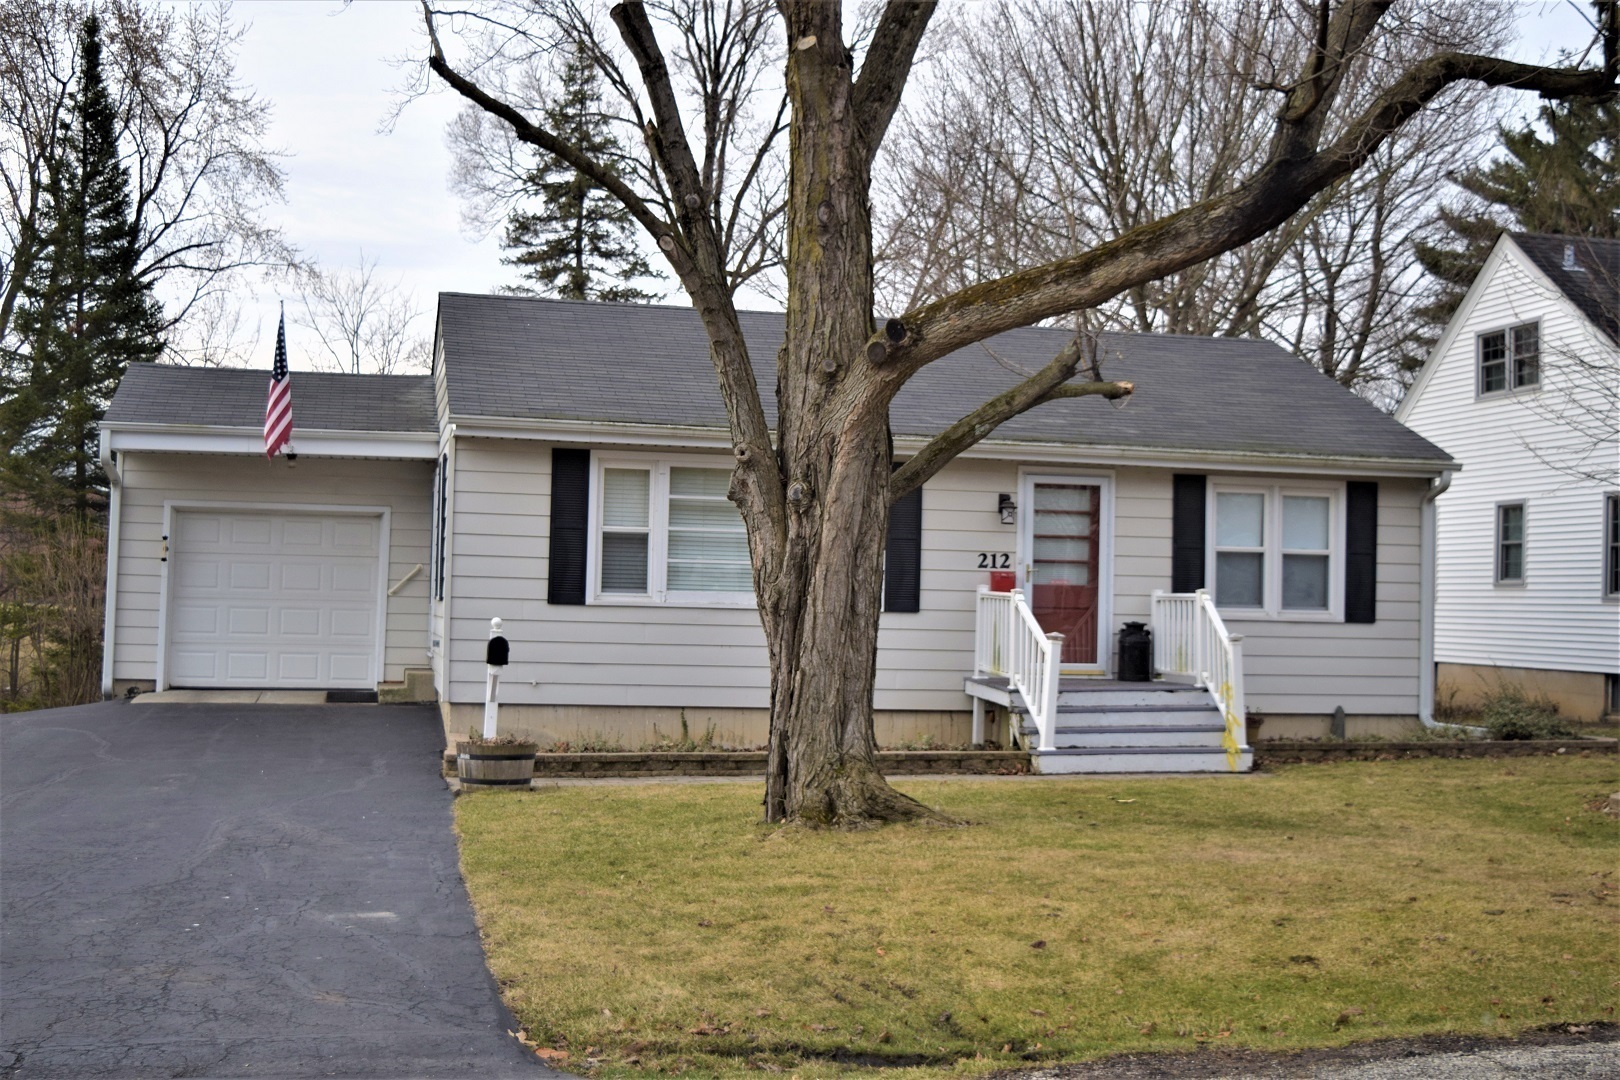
{"x":1135,"y":653}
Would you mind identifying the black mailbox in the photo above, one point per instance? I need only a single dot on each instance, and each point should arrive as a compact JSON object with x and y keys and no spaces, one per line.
{"x":498,"y":652}
{"x":1135,"y":653}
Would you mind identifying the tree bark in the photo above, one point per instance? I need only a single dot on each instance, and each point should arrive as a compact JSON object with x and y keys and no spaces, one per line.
{"x":821,"y":607}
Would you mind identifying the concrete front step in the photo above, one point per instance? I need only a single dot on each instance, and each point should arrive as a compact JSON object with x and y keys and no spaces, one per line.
{"x":1127,"y":716}
{"x":1196,"y":735}
{"x":1147,"y":697}
{"x":1166,"y":759}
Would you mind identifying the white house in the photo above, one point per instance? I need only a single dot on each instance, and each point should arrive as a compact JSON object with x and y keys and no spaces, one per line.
{"x":1522,"y":390}
{"x":565,"y":469}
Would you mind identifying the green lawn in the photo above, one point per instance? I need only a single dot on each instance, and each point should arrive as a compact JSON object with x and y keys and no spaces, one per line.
{"x":647,"y":929}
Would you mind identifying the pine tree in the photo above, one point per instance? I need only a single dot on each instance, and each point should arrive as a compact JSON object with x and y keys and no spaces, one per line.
{"x":1567,"y":183}
{"x":85,"y":314}
{"x":580,"y":243}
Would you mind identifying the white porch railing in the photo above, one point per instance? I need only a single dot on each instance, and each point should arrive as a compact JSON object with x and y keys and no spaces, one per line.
{"x":1008,"y":642}
{"x":1189,"y":638}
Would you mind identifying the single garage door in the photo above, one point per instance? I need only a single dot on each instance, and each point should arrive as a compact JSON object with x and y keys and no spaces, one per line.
{"x":282,"y":600}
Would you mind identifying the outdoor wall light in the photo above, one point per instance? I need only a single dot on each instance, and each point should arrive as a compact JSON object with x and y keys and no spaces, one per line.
{"x":1008,"y":508}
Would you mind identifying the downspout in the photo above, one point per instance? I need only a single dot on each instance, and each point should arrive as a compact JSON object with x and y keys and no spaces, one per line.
{"x":115,"y":484}
{"x":1426,"y":601}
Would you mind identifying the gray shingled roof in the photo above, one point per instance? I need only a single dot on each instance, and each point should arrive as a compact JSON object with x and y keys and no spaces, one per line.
{"x":527,"y":358}
{"x":1594,"y":288}
{"x":235,"y":397}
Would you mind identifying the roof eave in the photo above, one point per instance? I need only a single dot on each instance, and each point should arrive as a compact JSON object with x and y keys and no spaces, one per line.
{"x":611,"y":433}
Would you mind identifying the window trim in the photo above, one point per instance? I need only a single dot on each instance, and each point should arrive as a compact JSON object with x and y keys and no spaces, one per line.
{"x":1524,"y":544}
{"x":1610,"y":561}
{"x":1272,"y":581}
{"x":1509,"y":360}
{"x":658,"y":594}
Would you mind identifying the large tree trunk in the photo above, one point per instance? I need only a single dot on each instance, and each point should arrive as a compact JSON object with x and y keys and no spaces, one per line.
{"x":820,"y":608}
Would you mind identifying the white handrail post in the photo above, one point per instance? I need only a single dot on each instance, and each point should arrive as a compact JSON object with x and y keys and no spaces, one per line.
{"x":1200,"y":622}
{"x":1239,"y":709}
{"x":1049,"y":692}
{"x":980,"y":659}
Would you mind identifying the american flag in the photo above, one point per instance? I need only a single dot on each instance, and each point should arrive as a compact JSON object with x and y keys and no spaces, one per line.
{"x":278,"y":409}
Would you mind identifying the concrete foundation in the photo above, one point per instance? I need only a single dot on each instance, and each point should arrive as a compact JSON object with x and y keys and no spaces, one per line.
{"x":1307,"y":726}
{"x":635,"y":728}
{"x":1580,"y":695}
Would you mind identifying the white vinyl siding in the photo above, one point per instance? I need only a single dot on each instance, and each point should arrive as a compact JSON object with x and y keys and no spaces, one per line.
{"x":1558,"y":619}
{"x":714,"y":657}
{"x":150,"y":479}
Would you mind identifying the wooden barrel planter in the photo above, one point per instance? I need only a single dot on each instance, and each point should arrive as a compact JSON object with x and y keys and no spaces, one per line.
{"x":495,"y":765}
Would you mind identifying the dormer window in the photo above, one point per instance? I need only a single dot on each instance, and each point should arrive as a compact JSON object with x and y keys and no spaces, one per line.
{"x":1510,"y":358}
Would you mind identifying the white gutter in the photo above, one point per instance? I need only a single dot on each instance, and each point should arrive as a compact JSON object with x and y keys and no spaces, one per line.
{"x":1426,"y":600}
{"x":115,"y":483}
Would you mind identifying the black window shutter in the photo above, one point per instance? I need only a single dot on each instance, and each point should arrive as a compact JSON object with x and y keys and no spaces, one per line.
{"x":570,"y":513}
{"x":1187,"y":532}
{"x":902,"y":565}
{"x":1361,"y":552}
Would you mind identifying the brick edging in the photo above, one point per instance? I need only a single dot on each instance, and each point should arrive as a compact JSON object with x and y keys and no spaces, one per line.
{"x":1287,"y":752}
{"x":752,"y":763}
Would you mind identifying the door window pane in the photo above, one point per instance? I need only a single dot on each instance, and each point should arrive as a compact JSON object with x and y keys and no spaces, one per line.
{"x":1240,"y":519}
{"x":1305,"y":523}
{"x":1305,"y":582}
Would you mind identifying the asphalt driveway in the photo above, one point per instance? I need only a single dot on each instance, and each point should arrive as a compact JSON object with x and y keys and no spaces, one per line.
{"x":209,"y":890}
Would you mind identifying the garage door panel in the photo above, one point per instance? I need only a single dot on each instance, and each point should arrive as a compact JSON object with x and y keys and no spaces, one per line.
{"x":250,"y":532}
{"x":348,"y":667}
{"x":355,"y":535}
{"x":193,"y":666}
{"x":302,"y":667}
{"x":274,"y":600}
{"x":301,"y":577}
{"x":303,"y":533}
{"x":353,"y":625}
{"x":246,"y":665}
{"x":354,"y":577}
{"x":248,"y":621}
{"x":299,"y":622}
{"x":197,"y":529}
{"x":250,"y":575}
{"x":196,"y":619}
{"x":197,"y":573}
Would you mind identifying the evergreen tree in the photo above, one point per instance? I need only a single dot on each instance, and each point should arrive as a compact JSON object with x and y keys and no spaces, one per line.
{"x":1567,"y":183}
{"x":85,"y":314}
{"x":580,"y":243}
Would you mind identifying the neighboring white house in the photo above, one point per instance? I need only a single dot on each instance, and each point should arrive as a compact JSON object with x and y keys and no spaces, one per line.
{"x":565,"y":470}
{"x":1521,"y":389}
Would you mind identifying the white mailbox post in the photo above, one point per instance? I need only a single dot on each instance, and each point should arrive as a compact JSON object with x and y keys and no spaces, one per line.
{"x":495,"y":658}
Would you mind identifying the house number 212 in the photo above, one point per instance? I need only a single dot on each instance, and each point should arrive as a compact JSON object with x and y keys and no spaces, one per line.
{"x":995,"y":560}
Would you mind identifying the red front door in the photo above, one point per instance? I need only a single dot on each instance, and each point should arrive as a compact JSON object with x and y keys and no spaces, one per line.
{"x":1063,"y":568}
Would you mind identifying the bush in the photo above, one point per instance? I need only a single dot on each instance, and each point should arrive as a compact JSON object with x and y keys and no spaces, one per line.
{"x":1510,"y":713}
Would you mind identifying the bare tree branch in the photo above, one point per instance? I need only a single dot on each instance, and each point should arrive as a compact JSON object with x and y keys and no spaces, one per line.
{"x":887,"y":66}
{"x":1047,"y":384}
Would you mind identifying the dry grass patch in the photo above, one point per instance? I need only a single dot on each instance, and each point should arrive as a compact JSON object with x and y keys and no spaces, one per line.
{"x":648,"y":929}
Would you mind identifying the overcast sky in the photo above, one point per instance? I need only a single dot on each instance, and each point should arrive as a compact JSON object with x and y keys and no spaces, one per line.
{"x":329,"y":73}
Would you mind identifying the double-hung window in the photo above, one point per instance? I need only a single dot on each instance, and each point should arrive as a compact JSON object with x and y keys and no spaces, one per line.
{"x":1611,"y":547}
{"x":1510,"y":359}
{"x":665,"y":532}
{"x":1510,"y":544}
{"x":1277,"y":549}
